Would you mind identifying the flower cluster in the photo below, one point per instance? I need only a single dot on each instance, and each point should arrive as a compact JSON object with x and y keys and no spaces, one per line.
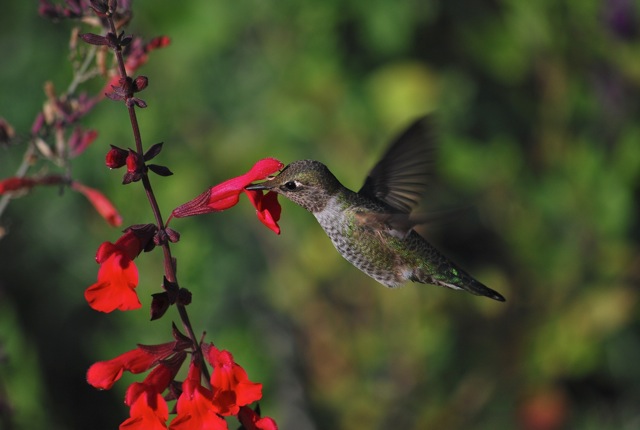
{"x":215,"y":386}
{"x":118,"y":275}
{"x":228,"y":391}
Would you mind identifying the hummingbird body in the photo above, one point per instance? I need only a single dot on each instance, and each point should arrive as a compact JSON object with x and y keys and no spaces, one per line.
{"x":372,"y":228}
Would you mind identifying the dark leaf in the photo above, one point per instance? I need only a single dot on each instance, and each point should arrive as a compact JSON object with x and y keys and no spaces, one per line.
{"x":153,"y":151}
{"x":162,"y":350}
{"x":160,"y":170}
{"x":94,"y":39}
{"x":159,"y":305}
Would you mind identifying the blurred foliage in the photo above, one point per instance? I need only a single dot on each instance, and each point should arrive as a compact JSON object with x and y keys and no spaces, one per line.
{"x":537,"y":104}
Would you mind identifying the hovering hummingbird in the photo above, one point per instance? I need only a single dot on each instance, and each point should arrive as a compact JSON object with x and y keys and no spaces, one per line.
{"x":373,"y":228}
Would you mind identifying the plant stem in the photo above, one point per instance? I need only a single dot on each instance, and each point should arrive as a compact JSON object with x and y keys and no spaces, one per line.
{"x":169,"y":266}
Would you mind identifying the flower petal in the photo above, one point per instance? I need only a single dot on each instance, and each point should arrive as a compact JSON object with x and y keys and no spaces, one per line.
{"x":115,"y":289}
{"x":267,"y":208}
{"x":104,"y":207}
{"x":230,"y":384}
{"x":147,"y":413}
{"x":250,"y":420}
{"x":194,"y":406}
{"x":104,"y":374}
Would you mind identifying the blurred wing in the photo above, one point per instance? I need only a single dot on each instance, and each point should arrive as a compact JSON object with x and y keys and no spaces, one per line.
{"x":401,"y":176}
{"x":401,"y":224}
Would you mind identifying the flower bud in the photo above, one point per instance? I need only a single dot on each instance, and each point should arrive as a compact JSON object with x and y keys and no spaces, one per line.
{"x":116,"y":157}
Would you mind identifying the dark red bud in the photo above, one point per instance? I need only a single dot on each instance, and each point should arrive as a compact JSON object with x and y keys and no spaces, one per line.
{"x":173,"y":235}
{"x":116,"y":157}
{"x":140,"y":83}
{"x":133,"y":161}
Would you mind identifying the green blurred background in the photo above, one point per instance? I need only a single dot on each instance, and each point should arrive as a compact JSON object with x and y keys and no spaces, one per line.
{"x":537,"y":106}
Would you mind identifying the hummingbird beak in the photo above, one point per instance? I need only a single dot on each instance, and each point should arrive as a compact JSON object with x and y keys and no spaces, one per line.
{"x":261,"y":186}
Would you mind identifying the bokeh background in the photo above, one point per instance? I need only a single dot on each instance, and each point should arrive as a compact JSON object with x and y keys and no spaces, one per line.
{"x":537,"y":107}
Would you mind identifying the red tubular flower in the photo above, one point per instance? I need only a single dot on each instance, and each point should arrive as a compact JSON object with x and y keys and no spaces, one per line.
{"x":104,"y":374}
{"x":194,"y":406}
{"x":148,"y":407}
{"x":250,"y":420}
{"x":225,"y":195}
{"x":104,"y":207}
{"x":117,"y":276}
{"x":147,"y":413}
{"x":229,"y":382}
{"x":155,"y":383}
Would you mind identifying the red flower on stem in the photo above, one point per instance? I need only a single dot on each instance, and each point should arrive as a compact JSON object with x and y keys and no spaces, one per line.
{"x":143,"y":416}
{"x":118,"y":276}
{"x":230,"y":384}
{"x":250,"y":420}
{"x":148,"y":407}
{"x":104,"y":374}
{"x":104,"y":207}
{"x":227,"y":194}
{"x":195,"y":409}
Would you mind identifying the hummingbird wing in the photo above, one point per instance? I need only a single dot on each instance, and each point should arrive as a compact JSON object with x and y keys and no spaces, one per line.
{"x":401,"y":176}
{"x":401,"y":224}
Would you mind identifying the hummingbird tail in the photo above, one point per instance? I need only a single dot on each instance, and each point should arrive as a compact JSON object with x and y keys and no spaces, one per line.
{"x":479,"y":289}
{"x":457,"y":279}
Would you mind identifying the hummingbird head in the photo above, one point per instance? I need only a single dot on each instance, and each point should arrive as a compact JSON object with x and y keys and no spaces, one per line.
{"x":307,"y":183}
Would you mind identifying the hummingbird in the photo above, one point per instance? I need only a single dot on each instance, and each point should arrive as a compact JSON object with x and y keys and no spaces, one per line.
{"x":373,"y":228}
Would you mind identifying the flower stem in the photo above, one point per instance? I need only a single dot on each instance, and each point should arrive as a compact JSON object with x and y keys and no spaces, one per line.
{"x":169,"y":266}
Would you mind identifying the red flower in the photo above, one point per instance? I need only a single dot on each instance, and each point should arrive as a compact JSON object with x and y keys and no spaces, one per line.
{"x":194,"y":406}
{"x":250,"y":420}
{"x":225,"y":195}
{"x":155,"y":383}
{"x":80,"y":140}
{"x":148,"y":412}
{"x":117,"y":276}
{"x":138,"y":53}
{"x":104,"y":207}
{"x":105,"y":373}
{"x":229,"y":382}
{"x":148,"y":407}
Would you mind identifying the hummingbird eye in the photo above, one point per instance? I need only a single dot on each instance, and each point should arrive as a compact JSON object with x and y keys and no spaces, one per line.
{"x":291,"y":185}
